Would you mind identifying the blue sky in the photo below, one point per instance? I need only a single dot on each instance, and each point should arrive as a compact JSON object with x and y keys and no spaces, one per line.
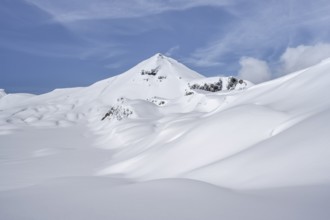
{"x":47,"y":44}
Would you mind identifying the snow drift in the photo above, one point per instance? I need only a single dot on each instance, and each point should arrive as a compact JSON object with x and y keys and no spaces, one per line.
{"x":158,"y":125}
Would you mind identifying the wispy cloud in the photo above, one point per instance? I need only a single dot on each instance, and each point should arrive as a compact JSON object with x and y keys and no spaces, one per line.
{"x":101,"y":24}
{"x":75,"y":10}
{"x":260,"y":29}
{"x":100,"y":50}
{"x":264,"y":29}
{"x":172,"y":50}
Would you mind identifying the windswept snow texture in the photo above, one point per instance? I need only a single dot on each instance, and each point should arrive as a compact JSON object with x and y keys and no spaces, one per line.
{"x":147,"y":144}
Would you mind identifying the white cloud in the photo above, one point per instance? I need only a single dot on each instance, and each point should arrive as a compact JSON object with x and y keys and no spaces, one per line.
{"x":75,"y":10}
{"x":254,"y":70}
{"x":294,"y":59}
{"x":245,"y":33}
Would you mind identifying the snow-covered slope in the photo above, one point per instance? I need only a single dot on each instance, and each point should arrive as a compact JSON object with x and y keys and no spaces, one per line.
{"x":159,"y":124}
{"x":262,"y":137}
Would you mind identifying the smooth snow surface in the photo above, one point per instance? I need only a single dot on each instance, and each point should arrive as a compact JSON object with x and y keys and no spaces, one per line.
{"x":147,"y":145}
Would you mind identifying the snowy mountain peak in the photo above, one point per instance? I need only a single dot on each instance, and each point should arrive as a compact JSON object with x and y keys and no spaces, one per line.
{"x":161,"y":66}
{"x":159,"y":79}
{"x":160,"y":56}
{"x":158,"y":75}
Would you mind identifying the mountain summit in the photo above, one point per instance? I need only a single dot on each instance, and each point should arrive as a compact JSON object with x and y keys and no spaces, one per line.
{"x":161,"y":76}
{"x":162,"y":65}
